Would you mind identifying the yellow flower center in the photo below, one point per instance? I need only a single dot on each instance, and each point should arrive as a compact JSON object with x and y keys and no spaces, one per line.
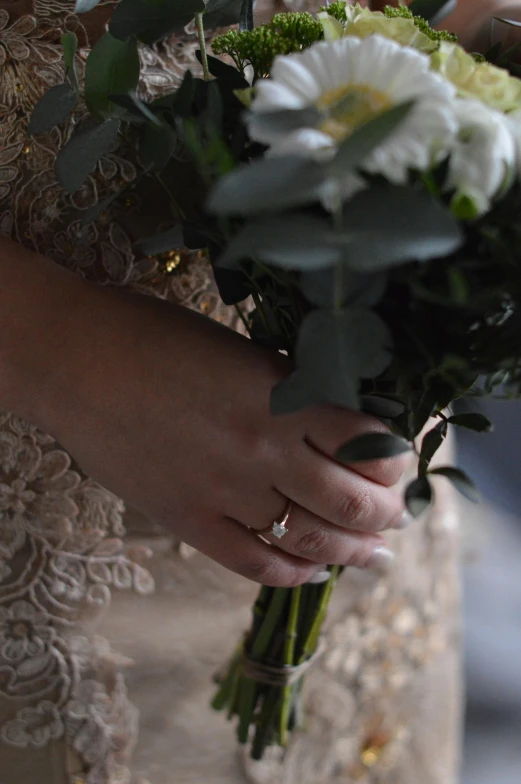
{"x":349,"y":106}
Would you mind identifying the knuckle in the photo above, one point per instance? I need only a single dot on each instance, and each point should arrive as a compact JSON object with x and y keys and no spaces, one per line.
{"x":312,"y":541}
{"x":269,"y":571}
{"x":261,"y":570}
{"x":358,"y":508}
{"x":358,"y":558}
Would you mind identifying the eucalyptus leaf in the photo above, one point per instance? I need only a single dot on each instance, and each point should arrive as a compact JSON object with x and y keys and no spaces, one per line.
{"x":82,"y":152}
{"x":372,"y":446}
{"x":389,"y":225}
{"x":335,"y":349}
{"x":434,"y":11}
{"x":157,"y":145}
{"x":431,"y":443}
{"x":162,"y":243}
{"x":222,"y":13}
{"x":297,"y":391}
{"x":132,"y":102}
{"x":53,"y":108}
{"x":367,"y":138}
{"x":418,"y":496}
{"x":381,"y":407}
{"x":69,"y":42}
{"x":180,"y":102}
{"x":291,"y":241}
{"x":460,"y":480}
{"x":472,"y":421}
{"x":225,"y":73}
{"x":112,"y":68}
{"x":151,"y":20}
{"x":267,"y":184}
{"x":320,"y":287}
{"x":83,"y":6}
{"x":284,"y":120}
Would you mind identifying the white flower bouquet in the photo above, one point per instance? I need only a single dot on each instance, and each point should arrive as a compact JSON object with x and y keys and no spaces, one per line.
{"x":357,"y":175}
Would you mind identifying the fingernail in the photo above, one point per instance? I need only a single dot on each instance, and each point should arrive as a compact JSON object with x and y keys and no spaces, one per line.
{"x":381,"y":559}
{"x":404,"y":521}
{"x":320,"y":577}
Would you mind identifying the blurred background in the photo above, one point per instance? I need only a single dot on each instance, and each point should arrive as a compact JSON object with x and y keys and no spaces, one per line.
{"x":492,"y":598}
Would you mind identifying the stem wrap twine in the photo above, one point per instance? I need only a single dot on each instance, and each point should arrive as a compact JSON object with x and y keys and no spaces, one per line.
{"x":283,"y":674}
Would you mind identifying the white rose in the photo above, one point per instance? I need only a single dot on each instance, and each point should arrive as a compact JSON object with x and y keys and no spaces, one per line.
{"x":482,"y":159}
{"x":514,"y":123}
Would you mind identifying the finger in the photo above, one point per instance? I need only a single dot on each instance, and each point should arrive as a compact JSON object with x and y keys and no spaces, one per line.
{"x":328,"y":428}
{"x":239,"y":549}
{"x":339,"y":495}
{"x":313,"y":539}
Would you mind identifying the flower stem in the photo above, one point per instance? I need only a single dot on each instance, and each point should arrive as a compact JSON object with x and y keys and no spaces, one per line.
{"x":202,"y":44}
{"x":311,"y":643}
{"x":289,"y":655}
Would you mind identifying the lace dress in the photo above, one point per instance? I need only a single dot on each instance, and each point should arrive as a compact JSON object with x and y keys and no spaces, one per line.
{"x":383,"y":700}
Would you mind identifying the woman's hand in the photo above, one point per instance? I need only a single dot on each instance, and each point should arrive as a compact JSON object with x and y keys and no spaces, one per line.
{"x":170,"y":411}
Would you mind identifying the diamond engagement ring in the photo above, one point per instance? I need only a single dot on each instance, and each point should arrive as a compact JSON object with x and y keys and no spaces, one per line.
{"x":278,"y":528}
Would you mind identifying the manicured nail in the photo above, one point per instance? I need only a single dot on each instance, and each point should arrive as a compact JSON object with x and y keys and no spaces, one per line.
{"x":404,"y":521}
{"x":381,"y":559}
{"x":320,"y":577}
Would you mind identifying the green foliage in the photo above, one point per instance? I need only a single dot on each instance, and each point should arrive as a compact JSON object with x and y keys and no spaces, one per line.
{"x":82,"y":152}
{"x":418,"y":496}
{"x":285,"y":33}
{"x":364,"y":139}
{"x":420,"y":20}
{"x":372,"y":446}
{"x":472,"y":421}
{"x":430,"y":445}
{"x":267,"y":184}
{"x":460,"y":480}
{"x":337,"y":10}
{"x":335,"y":350}
{"x":391,"y":224}
{"x":221,"y":13}
{"x":290,"y":241}
{"x":53,"y":108}
{"x":152,"y":20}
{"x":112,"y":68}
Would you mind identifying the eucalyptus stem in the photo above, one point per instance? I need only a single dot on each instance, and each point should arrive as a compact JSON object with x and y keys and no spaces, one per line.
{"x":202,"y":43}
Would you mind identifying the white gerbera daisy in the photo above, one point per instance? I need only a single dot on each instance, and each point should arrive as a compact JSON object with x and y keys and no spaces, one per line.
{"x":351,"y":81}
{"x":483,"y":157}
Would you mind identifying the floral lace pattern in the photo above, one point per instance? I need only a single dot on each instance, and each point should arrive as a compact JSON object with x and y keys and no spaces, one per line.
{"x":61,"y":546}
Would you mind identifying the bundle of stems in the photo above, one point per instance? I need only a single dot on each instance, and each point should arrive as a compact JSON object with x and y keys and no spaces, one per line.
{"x":263,"y":684}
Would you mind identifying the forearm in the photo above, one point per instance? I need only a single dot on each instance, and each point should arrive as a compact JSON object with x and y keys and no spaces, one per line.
{"x":38,"y":300}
